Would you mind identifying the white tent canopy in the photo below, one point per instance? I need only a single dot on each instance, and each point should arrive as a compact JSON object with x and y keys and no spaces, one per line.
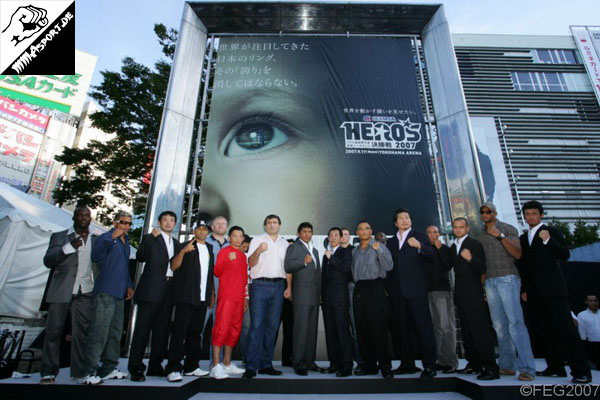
{"x":26,"y":224}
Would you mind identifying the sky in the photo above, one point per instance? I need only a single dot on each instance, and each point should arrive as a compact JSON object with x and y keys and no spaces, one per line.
{"x":114,"y":29}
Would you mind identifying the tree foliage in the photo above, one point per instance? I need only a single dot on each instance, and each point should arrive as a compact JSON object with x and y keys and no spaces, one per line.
{"x":582,"y":234}
{"x":131,"y":103}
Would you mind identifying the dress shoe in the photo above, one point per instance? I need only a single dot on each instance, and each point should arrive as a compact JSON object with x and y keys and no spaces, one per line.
{"x":249,"y":374}
{"x":316,"y":368}
{"x":558,"y":372}
{"x":488,"y":375}
{"x":362,"y":371}
{"x":156,"y":372}
{"x":137,"y":376}
{"x":331,"y":370}
{"x":404,"y":370}
{"x":582,"y":379}
{"x":448,"y":369}
{"x":469,"y":370}
{"x":301,"y":372}
{"x":343,"y":374}
{"x":439,"y":367}
{"x":428,"y":374}
{"x":270,"y":371}
{"x":287,"y":363}
{"x":387,"y":374}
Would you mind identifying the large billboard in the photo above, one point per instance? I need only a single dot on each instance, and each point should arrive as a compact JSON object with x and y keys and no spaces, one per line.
{"x":326,"y":130}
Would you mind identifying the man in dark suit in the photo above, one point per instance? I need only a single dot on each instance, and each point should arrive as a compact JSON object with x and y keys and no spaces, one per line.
{"x":336,"y":274}
{"x":410,"y":251}
{"x":302,"y":262}
{"x":545,"y":289}
{"x":154,"y":297}
{"x":70,"y":288}
{"x":467,"y":257}
{"x":193,"y":293}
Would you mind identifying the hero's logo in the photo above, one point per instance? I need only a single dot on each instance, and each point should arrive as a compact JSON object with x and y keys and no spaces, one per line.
{"x":402,"y":134}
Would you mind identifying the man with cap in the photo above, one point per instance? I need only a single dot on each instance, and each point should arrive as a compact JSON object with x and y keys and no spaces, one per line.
{"x":502,"y":290}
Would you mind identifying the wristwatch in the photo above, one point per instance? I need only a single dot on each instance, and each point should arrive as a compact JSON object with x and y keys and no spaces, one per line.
{"x":501,"y":236}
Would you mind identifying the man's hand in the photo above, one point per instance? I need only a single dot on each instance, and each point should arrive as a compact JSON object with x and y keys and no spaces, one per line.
{"x":412,"y":242}
{"x":212,"y":300}
{"x":117,"y":233}
{"x":466,"y":254}
{"x":263,"y":247}
{"x":25,"y":22}
{"x":191,"y":246}
{"x":544,"y":235}
{"x":130,"y":293}
{"x":437,"y":244}
{"x":307,"y":259}
{"x":375,"y":245}
{"x":493,"y":231}
{"x":155,"y":232}
{"x":77,"y":242}
{"x":328,"y":254}
{"x":287,"y":293}
{"x":246,"y":305}
{"x":232,"y":256}
{"x":524,"y":296}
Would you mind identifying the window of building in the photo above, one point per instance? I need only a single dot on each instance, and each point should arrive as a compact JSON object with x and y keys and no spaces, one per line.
{"x":539,"y":81}
{"x":554,"y":56}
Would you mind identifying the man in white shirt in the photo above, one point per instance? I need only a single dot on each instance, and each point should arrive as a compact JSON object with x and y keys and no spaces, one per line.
{"x":267,"y":254}
{"x":71,"y":282}
{"x":588,"y":322}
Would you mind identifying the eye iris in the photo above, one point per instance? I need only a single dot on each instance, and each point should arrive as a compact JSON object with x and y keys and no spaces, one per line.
{"x":254,"y":135}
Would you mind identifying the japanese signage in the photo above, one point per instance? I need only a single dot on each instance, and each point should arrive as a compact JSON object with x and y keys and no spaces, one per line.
{"x":588,"y":42}
{"x":66,"y":93}
{"x":23,"y":115}
{"x":19,"y":148}
{"x":326,"y":130}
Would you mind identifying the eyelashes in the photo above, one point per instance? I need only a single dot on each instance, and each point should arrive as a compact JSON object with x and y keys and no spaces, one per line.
{"x":257,"y":134}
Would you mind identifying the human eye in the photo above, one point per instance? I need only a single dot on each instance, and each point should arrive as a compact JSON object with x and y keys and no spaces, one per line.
{"x":257,"y":134}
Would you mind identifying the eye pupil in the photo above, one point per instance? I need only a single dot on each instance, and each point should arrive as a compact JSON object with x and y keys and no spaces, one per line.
{"x":254,"y":135}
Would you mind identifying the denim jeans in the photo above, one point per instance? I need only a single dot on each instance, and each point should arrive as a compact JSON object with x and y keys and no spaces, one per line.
{"x":266,"y":302}
{"x":103,"y":339}
{"x":503,"y":298}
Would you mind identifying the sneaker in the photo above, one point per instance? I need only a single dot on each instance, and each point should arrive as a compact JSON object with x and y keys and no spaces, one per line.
{"x":233,"y":369}
{"x":47,"y":379}
{"x":116,"y":374}
{"x":90,"y":380}
{"x":174,"y":377}
{"x":196,"y":372}
{"x":218,"y":372}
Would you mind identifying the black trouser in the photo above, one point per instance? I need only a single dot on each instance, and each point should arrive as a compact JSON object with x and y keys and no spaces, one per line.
{"x":477,"y":334}
{"x":185,"y":337}
{"x":558,"y":334}
{"x":155,"y":318}
{"x":414,"y":313}
{"x":287,"y":319}
{"x":337,"y":335}
{"x":370,"y":315}
{"x":593,"y":352}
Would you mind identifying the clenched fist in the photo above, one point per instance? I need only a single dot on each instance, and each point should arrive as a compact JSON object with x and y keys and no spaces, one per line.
{"x":232,"y":256}
{"x":493,"y":231}
{"x":544,"y":234}
{"x":155,"y":232}
{"x":466,"y":254}
{"x":412,"y":242}
{"x":263,"y":247}
{"x":375,"y":245}
{"x":307,"y":259}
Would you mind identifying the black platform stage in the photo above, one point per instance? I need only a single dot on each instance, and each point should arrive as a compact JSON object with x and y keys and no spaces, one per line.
{"x":506,"y":388}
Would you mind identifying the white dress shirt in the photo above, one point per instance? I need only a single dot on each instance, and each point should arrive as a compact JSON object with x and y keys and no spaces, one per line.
{"x":589,"y":325}
{"x":170,"y":249}
{"x":458,"y":242}
{"x":310,"y":248}
{"x":402,"y":237}
{"x":270,"y":262}
{"x":85,"y":274}
{"x":533,"y":231}
{"x":204,"y":259}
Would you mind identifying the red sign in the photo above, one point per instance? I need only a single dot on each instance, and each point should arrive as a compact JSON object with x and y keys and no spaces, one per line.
{"x":23,"y":115}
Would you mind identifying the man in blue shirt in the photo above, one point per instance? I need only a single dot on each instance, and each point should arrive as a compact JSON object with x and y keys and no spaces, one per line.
{"x":111,"y":253}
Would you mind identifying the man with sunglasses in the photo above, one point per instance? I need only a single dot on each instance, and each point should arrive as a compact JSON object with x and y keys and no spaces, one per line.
{"x":113,"y":286}
{"x":502,"y":290}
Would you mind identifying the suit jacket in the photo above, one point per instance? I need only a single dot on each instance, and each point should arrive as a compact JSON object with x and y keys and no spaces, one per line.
{"x":63,"y":267}
{"x":468,"y":287}
{"x":152,"y":286}
{"x":306,"y":286}
{"x":335,"y":276}
{"x":408,"y":277}
{"x":187,"y":278}
{"x":540,"y":264}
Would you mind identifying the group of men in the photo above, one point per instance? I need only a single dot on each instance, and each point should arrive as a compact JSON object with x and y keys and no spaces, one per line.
{"x":366,"y":292}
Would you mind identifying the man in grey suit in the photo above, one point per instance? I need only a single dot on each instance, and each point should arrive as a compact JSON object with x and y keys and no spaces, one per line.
{"x":302,"y":263}
{"x":71,"y":284}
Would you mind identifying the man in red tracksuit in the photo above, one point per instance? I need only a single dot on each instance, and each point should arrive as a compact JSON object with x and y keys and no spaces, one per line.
{"x":232,"y":270}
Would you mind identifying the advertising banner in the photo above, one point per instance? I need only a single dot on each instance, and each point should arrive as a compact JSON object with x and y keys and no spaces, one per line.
{"x":588,"y":43}
{"x":23,"y":115}
{"x":325,"y":130}
{"x":19,"y":148}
